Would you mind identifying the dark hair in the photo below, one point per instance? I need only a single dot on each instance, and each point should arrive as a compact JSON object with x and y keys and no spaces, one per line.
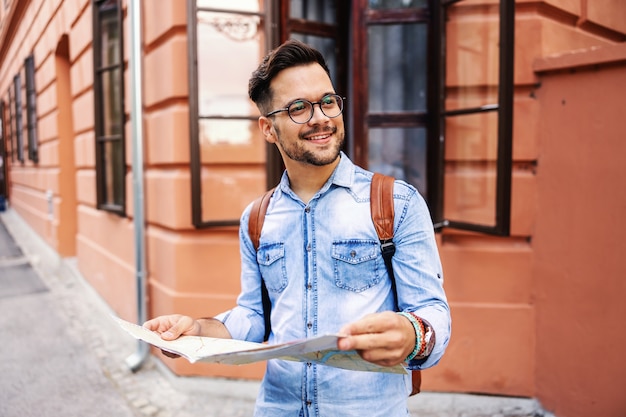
{"x":292,"y":53}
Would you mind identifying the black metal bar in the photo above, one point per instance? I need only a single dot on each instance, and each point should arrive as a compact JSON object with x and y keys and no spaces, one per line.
{"x":505,"y":116}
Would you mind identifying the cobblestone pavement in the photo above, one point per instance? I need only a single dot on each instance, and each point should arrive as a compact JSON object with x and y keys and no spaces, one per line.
{"x":153,"y":390}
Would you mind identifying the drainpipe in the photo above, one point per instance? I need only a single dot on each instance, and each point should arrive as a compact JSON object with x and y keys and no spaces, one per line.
{"x":136,"y":360}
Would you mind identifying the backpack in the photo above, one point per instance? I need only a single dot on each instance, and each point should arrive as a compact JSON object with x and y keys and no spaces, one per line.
{"x":381,"y":205}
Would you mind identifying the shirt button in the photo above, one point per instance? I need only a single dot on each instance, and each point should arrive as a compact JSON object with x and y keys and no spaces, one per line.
{"x":308,"y":247}
{"x":309,"y":325}
{"x":309,"y":286}
{"x":307,"y":209}
{"x":308,"y":403}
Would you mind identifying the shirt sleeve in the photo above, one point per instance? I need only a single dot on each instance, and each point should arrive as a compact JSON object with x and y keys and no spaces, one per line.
{"x":418,"y":272}
{"x":245,"y":321}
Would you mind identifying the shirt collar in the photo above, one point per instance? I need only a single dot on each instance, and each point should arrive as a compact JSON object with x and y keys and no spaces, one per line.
{"x":343,"y":176}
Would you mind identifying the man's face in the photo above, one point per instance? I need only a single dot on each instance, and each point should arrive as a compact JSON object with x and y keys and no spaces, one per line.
{"x":317,"y":142}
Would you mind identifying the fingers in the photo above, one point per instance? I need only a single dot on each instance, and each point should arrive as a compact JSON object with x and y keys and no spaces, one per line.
{"x":382,"y":338}
{"x":172,"y":326}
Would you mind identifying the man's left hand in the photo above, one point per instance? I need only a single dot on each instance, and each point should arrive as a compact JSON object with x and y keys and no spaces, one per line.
{"x":382,"y":338}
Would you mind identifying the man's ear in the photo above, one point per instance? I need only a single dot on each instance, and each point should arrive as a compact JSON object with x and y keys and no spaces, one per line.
{"x":267,"y":129}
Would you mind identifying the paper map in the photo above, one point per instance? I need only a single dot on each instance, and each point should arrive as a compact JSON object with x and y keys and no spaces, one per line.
{"x":321,"y":350}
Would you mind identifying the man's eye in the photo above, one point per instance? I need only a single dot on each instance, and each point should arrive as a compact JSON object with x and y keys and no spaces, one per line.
{"x":297,"y":107}
{"x":329,"y":101}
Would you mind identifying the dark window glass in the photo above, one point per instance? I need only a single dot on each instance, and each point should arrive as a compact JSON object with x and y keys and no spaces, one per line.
{"x":19,"y":134}
{"x":323,"y":11}
{"x":31,"y":109}
{"x":397,"y":67}
{"x":109,"y":106}
{"x":3,"y":157}
{"x":397,"y":4}
{"x":10,"y":136}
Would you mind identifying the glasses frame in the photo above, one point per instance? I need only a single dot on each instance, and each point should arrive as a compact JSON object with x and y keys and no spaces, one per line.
{"x":312,"y":103}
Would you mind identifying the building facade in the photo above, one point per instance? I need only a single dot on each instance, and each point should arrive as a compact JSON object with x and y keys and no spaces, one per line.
{"x":508,"y":116}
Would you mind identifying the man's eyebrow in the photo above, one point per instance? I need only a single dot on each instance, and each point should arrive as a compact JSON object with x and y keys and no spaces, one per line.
{"x":300,"y":98}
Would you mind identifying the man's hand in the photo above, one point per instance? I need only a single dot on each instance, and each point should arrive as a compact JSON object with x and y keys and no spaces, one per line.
{"x":382,"y":338}
{"x":173,"y":326}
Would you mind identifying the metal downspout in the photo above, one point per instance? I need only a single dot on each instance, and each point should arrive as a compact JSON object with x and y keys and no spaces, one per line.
{"x":136,"y":360}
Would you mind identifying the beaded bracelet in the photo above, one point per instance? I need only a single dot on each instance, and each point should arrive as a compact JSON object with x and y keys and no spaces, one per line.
{"x":422,"y":348}
{"x":419,"y":335}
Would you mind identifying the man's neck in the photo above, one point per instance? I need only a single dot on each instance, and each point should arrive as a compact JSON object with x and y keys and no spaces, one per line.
{"x":306,"y":180}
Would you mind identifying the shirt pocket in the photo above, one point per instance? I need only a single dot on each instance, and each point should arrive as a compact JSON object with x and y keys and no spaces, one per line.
{"x":271,"y":260}
{"x":356,"y":264}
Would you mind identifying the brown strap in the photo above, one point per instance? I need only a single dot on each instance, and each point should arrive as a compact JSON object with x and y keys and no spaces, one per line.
{"x":257,"y":217}
{"x":381,"y":204}
{"x":416,"y":376}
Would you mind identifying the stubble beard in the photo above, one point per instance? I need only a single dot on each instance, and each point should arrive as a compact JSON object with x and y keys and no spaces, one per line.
{"x":298,"y":152}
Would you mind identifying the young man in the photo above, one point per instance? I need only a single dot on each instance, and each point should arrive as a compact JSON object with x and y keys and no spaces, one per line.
{"x":320,"y":258}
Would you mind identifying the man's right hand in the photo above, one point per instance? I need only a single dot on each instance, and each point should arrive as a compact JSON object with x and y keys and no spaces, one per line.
{"x":173,"y":326}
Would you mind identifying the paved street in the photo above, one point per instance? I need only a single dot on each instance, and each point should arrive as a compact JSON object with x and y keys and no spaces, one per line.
{"x":62,"y":355}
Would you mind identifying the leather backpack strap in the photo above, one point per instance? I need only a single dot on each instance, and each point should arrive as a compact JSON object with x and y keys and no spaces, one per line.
{"x":381,"y":205}
{"x":255,"y":225}
{"x":416,"y":377}
{"x":257,"y":217}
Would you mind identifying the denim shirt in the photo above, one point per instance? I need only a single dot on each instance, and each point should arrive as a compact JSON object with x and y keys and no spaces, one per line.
{"x":323,"y":268}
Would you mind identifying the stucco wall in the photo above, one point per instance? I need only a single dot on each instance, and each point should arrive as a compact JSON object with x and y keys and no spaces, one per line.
{"x":579,"y":263}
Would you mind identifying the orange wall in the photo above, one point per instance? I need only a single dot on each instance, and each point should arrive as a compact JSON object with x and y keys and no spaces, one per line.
{"x":580,"y":263}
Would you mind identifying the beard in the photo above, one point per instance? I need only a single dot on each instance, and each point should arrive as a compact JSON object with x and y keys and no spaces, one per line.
{"x":298,"y":151}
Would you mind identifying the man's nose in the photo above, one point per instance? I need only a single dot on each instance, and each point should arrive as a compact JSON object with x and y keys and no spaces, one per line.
{"x":318,"y":114}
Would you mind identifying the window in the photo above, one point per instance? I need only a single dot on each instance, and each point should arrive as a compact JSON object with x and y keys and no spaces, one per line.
{"x":429,"y":86}
{"x":392,"y":98}
{"x":109,"y":106}
{"x":8,"y":131}
{"x":31,"y":109}
{"x":3,"y":157}
{"x":19,"y":133}
{"x":475,"y":116}
{"x":223,"y":120}
{"x":433,"y":104}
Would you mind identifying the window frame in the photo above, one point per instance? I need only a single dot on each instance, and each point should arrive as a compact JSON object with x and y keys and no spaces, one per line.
{"x":17,"y":104}
{"x":9,"y":136}
{"x":118,"y":207}
{"x":195,"y":163}
{"x":504,"y":109}
{"x":31,"y":109}
{"x":4,"y":189}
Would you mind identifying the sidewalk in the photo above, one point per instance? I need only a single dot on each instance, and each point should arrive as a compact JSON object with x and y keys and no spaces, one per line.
{"x":62,"y":355}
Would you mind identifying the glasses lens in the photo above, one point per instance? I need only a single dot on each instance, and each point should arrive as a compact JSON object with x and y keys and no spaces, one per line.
{"x":331,"y":105}
{"x":300,"y":111}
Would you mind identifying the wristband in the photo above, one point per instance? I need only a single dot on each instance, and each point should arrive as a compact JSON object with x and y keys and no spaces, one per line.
{"x":428,"y":338}
{"x":419,"y":334}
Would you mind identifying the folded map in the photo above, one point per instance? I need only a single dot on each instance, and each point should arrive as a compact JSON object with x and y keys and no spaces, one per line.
{"x":320,"y":349}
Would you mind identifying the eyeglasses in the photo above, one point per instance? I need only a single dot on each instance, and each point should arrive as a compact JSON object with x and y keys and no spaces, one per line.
{"x":301,"y":110}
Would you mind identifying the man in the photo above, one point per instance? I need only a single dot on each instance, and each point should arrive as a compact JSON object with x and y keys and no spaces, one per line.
{"x":320,"y":258}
